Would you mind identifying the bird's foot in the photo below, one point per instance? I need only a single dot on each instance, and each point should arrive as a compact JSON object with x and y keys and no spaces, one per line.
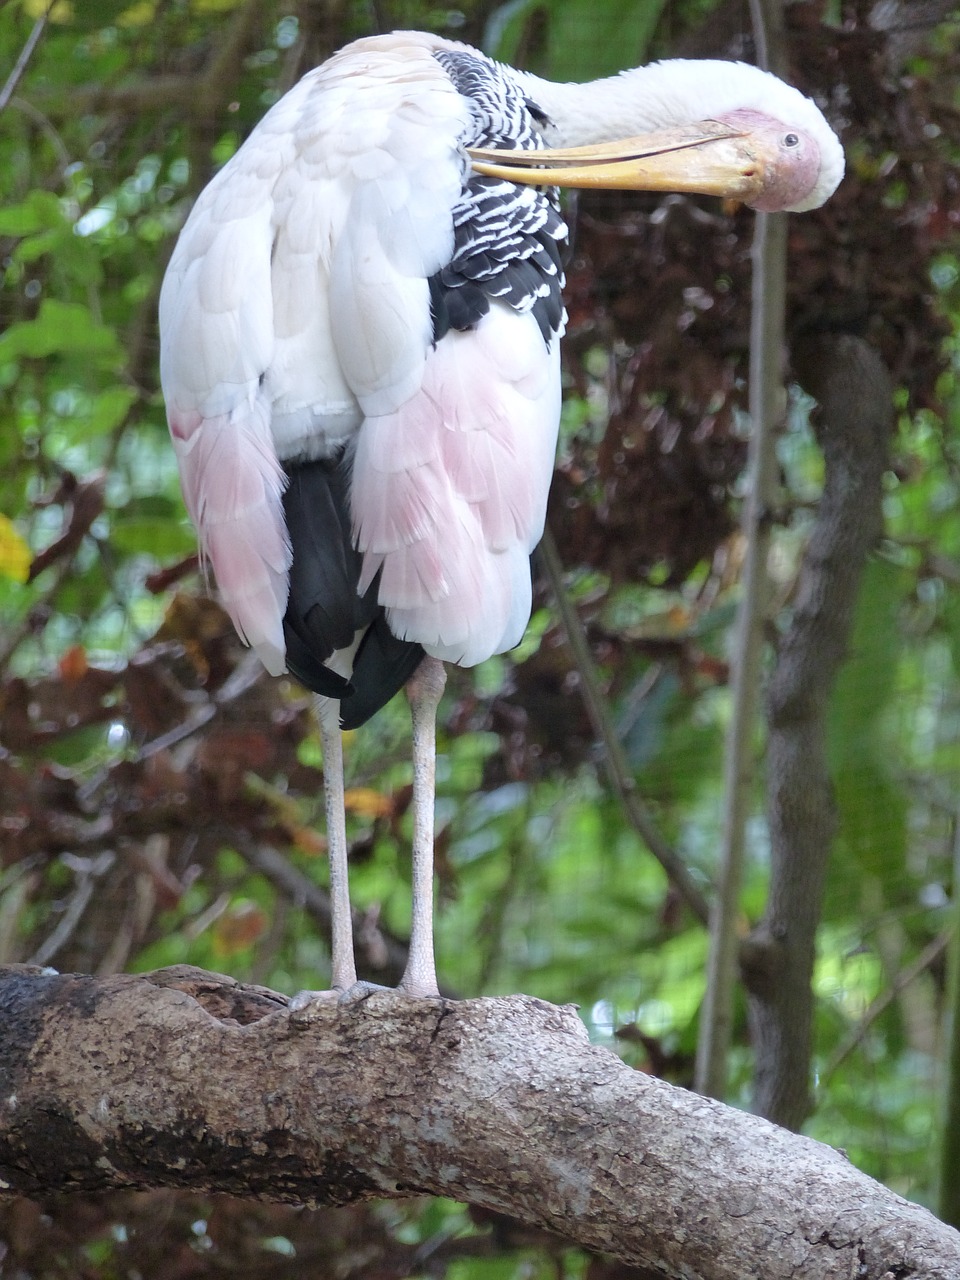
{"x":307,"y":1004}
{"x":419,"y":988}
{"x":360,"y":991}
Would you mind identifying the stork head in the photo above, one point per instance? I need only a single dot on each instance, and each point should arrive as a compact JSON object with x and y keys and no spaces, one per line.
{"x":718,"y":128}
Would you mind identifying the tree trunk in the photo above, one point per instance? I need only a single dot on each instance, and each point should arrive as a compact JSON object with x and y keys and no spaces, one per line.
{"x":187,"y":1079}
{"x":855,"y":419}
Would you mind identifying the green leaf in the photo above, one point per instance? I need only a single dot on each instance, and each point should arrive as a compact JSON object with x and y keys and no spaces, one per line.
{"x":505,"y":28}
{"x":620,"y":33}
{"x":15,"y":554}
{"x":163,"y":538}
{"x":951,"y":618}
{"x":59,"y":327}
{"x":109,"y":409}
{"x":40,"y":211}
{"x":871,"y":804}
{"x":867,"y":680}
{"x":873,"y":823}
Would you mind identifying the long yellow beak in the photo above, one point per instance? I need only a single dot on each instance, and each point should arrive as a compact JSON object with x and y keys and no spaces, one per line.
{"x":708,"y":157}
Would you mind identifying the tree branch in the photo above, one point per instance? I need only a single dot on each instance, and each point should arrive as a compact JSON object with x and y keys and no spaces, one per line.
{"x":614,"y":757}
{"x":929,"y":956}
{"x":767,"y":319}
{"x":26,"y":53}
{"x":381,"y":957}
{"x":188,"y":1079}
{"x":740,"y":765}
{"x":853,"y":427}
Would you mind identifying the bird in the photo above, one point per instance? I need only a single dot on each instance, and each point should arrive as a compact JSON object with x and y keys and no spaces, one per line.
{"x":359,"y":355}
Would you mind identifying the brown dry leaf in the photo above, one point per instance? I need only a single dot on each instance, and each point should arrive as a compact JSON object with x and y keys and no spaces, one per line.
{"x":73,"y":663}
{"x":308,"y":840}
{"x":365,"y":802}
{"x":240,"y":926}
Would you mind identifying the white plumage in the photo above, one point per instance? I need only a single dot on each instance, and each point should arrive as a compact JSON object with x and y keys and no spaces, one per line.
{"x":450,"y":490}
{"x":359,"y":343}
{"x":679,"y":91}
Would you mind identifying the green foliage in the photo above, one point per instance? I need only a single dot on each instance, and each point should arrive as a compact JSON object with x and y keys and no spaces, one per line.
{"x":872,"y":807}
{"x":620,"y":35}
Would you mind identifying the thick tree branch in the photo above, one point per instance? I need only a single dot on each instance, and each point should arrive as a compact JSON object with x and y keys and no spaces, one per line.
{"x":187,"y":1079}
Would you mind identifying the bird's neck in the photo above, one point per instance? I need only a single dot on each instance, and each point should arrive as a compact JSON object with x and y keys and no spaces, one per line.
{"x":652,"y":97}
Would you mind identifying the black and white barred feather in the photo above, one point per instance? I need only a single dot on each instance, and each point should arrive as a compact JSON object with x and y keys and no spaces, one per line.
{"x":507,"y":238}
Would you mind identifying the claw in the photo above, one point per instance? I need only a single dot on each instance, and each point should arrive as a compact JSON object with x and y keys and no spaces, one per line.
{"x":306,"y":1002}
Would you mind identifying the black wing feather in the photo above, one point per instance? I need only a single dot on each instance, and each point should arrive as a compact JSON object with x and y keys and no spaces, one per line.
{"x":324,"y":610}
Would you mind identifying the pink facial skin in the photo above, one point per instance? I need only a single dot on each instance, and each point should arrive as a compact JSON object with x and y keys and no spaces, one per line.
{"x":791,"y":157}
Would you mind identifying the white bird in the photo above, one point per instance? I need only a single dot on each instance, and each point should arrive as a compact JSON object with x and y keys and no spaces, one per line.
{"x":359,"y":353}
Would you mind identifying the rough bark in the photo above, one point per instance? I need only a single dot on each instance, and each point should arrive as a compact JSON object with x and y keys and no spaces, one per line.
{"x":853,"y":428}
{"x":187,"y":1079}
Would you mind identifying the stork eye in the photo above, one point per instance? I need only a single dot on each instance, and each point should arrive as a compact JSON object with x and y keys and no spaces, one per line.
{"x":791,"y":140}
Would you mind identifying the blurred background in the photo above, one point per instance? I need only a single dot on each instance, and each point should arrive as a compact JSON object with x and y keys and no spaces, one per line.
{"x":160,"y":796}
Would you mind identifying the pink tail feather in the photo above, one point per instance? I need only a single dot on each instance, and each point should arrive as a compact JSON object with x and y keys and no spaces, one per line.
{"x":233,"y":487}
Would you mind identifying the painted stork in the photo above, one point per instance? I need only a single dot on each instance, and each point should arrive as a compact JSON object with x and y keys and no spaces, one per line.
{"x":359,"y":354}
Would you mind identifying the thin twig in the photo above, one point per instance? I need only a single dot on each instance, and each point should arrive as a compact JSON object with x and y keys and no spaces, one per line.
{"x":243,"y":677}
{"x":617,"y":765}
{"x":927,"y":957}
{"x":230,"y":49}
{"x":769,"y":35}
{"x":89,"y":871}
{"x":46,"y":128}
{"x":26,"y":53}
{"x":26,"y":628}
{"x":766,"y":382}
{"x":948,"y":1145}
{"x":379,"y":952}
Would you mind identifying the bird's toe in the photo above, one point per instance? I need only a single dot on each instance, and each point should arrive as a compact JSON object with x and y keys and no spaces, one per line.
{"x":359,"y":992}
{"x":307,"y":1004}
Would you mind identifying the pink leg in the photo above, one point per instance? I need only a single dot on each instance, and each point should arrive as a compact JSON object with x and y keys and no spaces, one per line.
{"x":344,"y":974}
{"x":424,"y":690}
